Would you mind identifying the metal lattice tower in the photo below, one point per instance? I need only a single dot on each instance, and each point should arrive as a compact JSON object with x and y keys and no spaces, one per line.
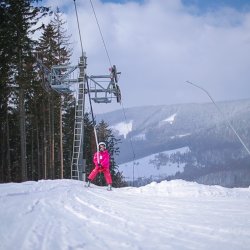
{"x":77,"y":156}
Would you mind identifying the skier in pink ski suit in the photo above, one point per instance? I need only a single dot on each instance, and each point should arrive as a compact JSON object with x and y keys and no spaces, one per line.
{"x":102,"y":166}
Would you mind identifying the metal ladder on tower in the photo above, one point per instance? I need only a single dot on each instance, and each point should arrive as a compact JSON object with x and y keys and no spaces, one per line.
{"x":77,"y":157}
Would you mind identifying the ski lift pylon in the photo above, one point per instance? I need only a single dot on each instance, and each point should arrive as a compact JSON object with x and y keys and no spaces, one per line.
{"x":104,"y":87}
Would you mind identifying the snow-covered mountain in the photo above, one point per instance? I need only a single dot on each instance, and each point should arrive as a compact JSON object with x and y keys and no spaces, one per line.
{"x":155,"y":167}
{"x":180,"y":215}
{"x":213,"y":146}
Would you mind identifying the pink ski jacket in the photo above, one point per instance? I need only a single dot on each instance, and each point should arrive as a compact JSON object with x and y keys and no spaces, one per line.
{"x":104,"y":158}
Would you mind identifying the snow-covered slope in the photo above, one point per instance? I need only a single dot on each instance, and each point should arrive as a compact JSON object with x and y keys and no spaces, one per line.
{"x":150,"y":168}
{"x":62,"y":214}
{"x":122,"y":128}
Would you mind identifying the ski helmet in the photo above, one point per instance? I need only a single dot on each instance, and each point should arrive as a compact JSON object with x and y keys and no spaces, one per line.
{"x":102,"y":143}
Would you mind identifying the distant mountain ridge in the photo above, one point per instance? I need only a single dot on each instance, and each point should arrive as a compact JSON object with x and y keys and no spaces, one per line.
{"x":200,"y":127}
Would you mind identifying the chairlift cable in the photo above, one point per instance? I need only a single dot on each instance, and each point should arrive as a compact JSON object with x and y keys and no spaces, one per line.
{"x":104,"y":44}
{"x":228,"y":122}
{"x":79,"y":31}
{"x":131,"y":143}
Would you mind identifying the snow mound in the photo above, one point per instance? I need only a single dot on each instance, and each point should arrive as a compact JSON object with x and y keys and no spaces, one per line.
{"x":180,"y":188}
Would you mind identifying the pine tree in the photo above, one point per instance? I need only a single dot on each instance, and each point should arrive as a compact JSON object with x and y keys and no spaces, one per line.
{"x":63,"y":54}
{"x":53,"y":50}
{"x":18,"y":17}
{"x":68,"y":133}
{"x":5,"y":58}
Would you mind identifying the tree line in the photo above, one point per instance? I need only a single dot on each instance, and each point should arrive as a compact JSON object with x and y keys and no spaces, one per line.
{"x":37,"y":123}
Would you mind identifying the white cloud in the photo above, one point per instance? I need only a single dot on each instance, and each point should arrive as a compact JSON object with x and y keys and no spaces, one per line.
{"x":158,"y":45}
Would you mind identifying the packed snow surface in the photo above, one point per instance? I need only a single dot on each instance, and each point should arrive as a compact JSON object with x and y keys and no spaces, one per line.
{"x":63,"y":214}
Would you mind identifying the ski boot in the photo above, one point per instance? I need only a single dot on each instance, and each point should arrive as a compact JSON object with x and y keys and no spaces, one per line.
{"x":109,"y":188}
{"x":87,"y":184}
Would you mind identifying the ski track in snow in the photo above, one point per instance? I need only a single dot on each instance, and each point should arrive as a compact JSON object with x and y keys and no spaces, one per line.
{"x":63,"y":214}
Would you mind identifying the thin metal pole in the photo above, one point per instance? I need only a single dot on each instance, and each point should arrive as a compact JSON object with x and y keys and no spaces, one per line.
{"x":94,"y":123}
{"x":133,"y":183}
{"x":229,"y":124}
{"x":131,"y":144}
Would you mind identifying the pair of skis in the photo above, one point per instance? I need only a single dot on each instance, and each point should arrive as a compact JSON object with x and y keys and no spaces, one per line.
{"x":87,"y":185}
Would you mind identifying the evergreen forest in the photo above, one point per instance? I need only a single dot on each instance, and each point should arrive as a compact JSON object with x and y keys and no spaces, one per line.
{"x":36,"y":122}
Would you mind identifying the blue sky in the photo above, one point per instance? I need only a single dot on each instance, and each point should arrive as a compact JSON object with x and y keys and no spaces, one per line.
{"x":203,"y":5}
{"x":160,"y":44}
